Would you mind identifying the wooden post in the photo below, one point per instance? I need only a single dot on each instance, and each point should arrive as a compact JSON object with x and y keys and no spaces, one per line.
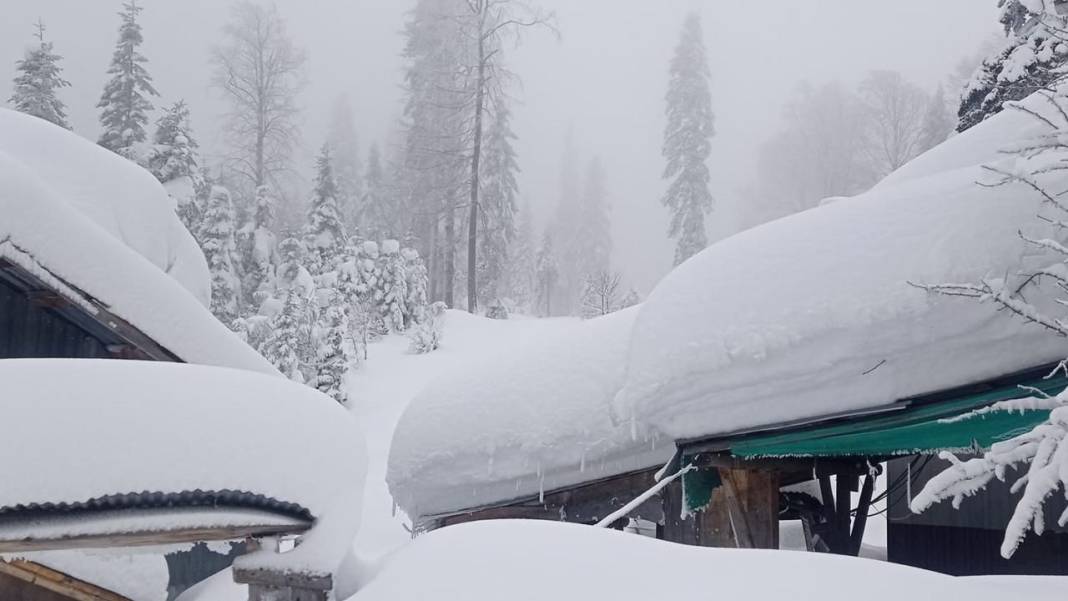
{"x":270,"y":585}
{"x":744,"y":512}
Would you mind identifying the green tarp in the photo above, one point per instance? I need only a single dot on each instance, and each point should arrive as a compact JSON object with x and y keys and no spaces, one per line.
{"x":918,"y":427}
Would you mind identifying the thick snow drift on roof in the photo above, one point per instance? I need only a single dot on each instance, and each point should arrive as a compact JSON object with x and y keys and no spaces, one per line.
{"x":519,"y":423}
{"x":119,"y":196}
{"x":813,"y":314}
{"x":104,"y":427}
{"x":536,"y":560}
{"x":51,"y":236}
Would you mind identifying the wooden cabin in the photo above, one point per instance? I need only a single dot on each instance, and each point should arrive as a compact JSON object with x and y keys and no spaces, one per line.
{"x":94,"y":264}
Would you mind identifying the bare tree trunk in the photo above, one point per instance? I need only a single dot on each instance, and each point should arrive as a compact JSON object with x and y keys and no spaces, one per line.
{"x":476,"y":157}
{"x":450,"y":253}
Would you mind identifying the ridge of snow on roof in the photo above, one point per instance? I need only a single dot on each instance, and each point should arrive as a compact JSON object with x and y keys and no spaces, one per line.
{"x":100,"y":427}
{"x":520,"y":423}
{"x":813,"y":314}
{"x":75,"y":212}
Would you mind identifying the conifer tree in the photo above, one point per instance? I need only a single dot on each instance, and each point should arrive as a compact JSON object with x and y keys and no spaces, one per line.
{"x":546,"y":273}
{"x":499,"y":189}
{"x":174,"y":151}
{"x":217,"y":239}
{"x":325,"y":231}
{"x":124,"y":103}
{"x":393,"y":286}
{"x":173,"y":158}
{"x":520,"y":284}
{"x":284,"y":345}
{"x":333,"y":354}
{"x":416,"y":287}
{"x":1031,"y":59}
{"x":259,"y":254}
{"x":938,"y":122}
{"x":347,"y":168}
{"x":687,"y":142}
{"x":37,"y":82}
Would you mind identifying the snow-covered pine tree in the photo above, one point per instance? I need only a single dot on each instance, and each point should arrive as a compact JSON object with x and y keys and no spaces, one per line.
{"x":687,"y":142}
{"x":498,"y":199}
{"x":285,"y":346}
{"x":37,"y":82}
{"x":520,"y":274}
{"x":415,"y":274}
{"x":347,"y":167}
{"x":173,"y":160}
{"x":325,"y":230}
{"x":334,"y":353}
{"x":393,"y":286}
{"x":377,"y":217}
{"x":217,"y":240}
{"x":124,"y":103}
{"x":426,"y":337}
{"x":546,"y":273}
{"x":1033,"y":58}
{"x":259,"y":250}
{"x":595,"y":241}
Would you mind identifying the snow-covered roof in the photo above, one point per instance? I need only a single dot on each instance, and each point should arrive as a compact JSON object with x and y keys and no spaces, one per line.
{"x":813,"y":314}
{"x":121,"y":439}
{"x":101,"y":230}
{"x":524,"y":422}
{"x":530,"y":560}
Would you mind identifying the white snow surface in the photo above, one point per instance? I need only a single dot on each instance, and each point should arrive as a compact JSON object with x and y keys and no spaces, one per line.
{"x":116,"y":194}
{"x":531,"y":419}
{"x":538,"y":560}
{"x":114,"y":427}
{"x":95,"y":225}
{"x":813,"y":314}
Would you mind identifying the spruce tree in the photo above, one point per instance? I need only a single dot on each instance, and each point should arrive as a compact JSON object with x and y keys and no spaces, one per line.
{"x":687,"y":142}
{"x":124,"y":103}
{"x":217,"y":239}
{"x":259,"y":254}
{"x":173,"y":157}
{"x":498,"y":199}
{"x":325,"y":231}
{"x":1031,"y":60}
{"x":37,"y":82}
{"x":546,"y":273}
{"x":333,"y":354}
{"x":285,"y":346}
{"x":393,"y":286}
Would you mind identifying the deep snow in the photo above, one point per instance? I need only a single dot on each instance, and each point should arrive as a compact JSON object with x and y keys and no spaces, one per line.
{"x":813,"y":314}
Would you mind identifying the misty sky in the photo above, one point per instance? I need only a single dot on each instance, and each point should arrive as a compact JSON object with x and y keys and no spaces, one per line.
{"x":604,"y":79}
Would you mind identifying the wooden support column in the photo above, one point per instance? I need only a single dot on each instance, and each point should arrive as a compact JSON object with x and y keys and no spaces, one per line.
{"x":269,"y":585}
{"x":744,"y":511}
{"x":676,"y":528}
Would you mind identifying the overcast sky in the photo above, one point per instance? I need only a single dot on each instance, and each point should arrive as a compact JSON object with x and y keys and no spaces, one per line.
{"x":604,"y":78}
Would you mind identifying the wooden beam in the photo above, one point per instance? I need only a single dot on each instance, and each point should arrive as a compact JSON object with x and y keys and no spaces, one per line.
{"x":57,"y":582}
{"x":861,"y":519}
{"x":743,"y":512}
{"x":149,"y":538}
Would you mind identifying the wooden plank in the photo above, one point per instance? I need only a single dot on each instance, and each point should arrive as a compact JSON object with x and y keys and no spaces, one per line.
{"x":678,"y":529}
{"x":150,"y":538}
{"x":714,"y":527}
{"x":57,"y":582}
{"x":861,"y":519}
{"x":744,"y":512}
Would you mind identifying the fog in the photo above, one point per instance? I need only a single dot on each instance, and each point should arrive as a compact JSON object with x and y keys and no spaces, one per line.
{"x":604,"y":80}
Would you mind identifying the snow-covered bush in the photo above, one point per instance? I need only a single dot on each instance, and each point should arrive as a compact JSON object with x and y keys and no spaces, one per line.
{"x":426,"y":337}
{"x":497,"y":310}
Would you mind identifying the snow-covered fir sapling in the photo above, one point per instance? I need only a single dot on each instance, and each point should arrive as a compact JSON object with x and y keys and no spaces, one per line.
{"x":325,"y":230}
{"x":1039,"y":297}
{"x":37,"y":81}
{"x":426,"y":337}
{"x":687,"y":142}
{"x":497,"y":310}
{"x":124,"y":104}
{"x":334,"y":353}
{"x":217,"y":240}
{"x":416,"y":280}
{"x":393,"y":285}
{"x":259,"y":249}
